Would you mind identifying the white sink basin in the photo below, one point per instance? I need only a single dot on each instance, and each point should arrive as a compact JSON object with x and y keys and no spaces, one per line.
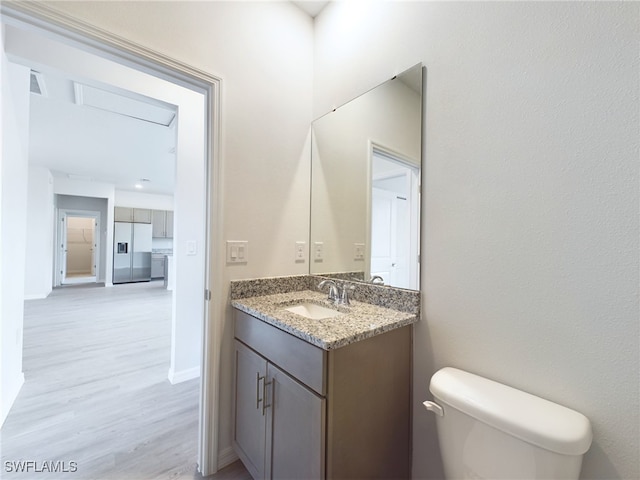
{"x":312,"y":311}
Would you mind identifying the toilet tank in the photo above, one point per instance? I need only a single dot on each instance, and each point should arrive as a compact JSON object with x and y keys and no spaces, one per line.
{"x":488,"y":430}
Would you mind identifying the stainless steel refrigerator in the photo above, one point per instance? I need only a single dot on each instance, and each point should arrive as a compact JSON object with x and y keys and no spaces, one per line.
{"x":131,"y":252}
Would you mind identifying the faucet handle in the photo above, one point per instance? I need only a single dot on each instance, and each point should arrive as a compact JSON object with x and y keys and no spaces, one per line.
{"x":344,"y":296}
{"x":333,"y":293}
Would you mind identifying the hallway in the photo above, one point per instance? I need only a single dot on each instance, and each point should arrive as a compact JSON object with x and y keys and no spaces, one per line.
{"x":96,"y":391}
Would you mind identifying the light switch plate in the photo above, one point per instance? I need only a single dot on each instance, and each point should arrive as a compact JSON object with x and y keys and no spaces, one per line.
{"x":191,"y":247}
{"x":237,"y":251}
{"x":318,"y":251}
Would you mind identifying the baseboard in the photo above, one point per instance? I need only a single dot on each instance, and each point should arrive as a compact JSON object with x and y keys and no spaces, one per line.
{"x":7,"y":403}
{"x":226,"y":457}
{"x":36,"y":296}
{"x":183,"y":375}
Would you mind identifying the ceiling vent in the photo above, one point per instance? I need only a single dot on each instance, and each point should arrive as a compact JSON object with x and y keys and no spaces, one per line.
{"x":36,"y":84}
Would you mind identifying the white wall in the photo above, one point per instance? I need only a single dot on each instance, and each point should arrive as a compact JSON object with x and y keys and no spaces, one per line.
{"x":13,"y":225}
{"x":40,"y":214}
{"x":530,"y":198}
{"x":263,"y":53}
{"x":154,"y":201}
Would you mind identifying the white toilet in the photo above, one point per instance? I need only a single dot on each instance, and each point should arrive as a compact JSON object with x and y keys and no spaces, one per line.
{"x":488,"y":430}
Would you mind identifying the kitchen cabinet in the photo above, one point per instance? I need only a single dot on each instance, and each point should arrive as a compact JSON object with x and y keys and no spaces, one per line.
{"x":157,"y":266}
{"x":305,"y":412}
{"x":169,"y":224}
{"x":132,"y":215}
{"x":162,"y":221}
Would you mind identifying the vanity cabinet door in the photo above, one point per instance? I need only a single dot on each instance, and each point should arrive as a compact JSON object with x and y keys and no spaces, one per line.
{"x":295,"y":432}
{"x":250,"y":412}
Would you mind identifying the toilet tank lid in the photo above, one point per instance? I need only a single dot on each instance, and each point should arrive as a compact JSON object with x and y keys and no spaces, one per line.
{"x":525,"y":416}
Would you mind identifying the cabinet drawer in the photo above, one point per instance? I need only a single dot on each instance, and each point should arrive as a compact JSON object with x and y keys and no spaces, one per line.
{"x":300,"y":359}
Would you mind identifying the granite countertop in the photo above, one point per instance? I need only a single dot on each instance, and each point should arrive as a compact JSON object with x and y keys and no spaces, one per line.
{"x":357,"y":321}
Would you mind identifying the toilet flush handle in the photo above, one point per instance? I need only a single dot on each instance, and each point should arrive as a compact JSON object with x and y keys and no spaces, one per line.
{"x":433,"y":407}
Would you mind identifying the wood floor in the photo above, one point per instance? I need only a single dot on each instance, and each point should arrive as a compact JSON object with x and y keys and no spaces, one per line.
{"x":96,"y":391}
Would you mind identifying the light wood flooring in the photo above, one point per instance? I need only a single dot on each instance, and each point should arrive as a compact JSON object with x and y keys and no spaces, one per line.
{"x":96,"y":391}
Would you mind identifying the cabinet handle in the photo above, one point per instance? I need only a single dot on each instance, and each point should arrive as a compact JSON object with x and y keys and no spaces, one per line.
{"x":264,"y":395}
{"x":258,"y":399}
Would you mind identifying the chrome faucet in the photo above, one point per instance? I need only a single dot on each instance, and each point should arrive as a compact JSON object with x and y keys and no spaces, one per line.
{"x":334,"y":295}
{"x":377,"y":279}
{"x":338,"y":292}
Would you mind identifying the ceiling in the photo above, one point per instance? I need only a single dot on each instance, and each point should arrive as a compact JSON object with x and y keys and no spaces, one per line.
{"x":313,"y":8}
{"x":103,"y":134}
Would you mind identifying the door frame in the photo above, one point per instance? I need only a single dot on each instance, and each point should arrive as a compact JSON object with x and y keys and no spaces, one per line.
{"x":414,"y":193}
{"x":41,"y":18}
{"x":60,"y":236}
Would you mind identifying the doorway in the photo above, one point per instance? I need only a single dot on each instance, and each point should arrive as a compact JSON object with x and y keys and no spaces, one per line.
{"x":394,"y":219}
{"x":198,"y":224}
{"x":79,"y":247}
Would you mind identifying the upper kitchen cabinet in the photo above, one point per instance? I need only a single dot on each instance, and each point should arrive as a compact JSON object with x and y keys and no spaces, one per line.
{"x":162,"y":221}
{"x":133,"y":215}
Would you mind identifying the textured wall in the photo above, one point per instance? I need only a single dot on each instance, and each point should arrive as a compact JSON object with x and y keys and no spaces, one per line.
{"x":530,"y":197}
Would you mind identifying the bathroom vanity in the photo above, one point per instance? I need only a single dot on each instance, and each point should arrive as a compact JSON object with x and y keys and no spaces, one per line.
{"x":322,"y":398}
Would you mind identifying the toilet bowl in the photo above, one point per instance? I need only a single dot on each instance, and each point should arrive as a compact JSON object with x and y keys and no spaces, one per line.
{"x":487,"y":430}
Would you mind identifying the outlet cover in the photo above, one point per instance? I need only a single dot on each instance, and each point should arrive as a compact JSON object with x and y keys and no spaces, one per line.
{"x":300,"y":252}
{"x":318,"y":251}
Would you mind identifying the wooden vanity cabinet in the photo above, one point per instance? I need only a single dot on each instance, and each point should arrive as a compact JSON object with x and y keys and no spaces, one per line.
{"x":278,"y":421}
{"x":304,"y":412}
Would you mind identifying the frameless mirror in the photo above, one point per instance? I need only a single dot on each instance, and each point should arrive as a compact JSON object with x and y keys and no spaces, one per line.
{"x":365,"y":192}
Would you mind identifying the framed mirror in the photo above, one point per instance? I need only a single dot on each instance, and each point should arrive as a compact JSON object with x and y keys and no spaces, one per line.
{"x":365,"y":186}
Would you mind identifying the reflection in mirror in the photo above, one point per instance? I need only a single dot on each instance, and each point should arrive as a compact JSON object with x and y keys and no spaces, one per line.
{"x":365,"y":196}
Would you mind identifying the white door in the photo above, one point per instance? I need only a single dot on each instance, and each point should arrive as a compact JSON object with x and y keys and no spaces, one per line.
{"x":390,"y":239}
